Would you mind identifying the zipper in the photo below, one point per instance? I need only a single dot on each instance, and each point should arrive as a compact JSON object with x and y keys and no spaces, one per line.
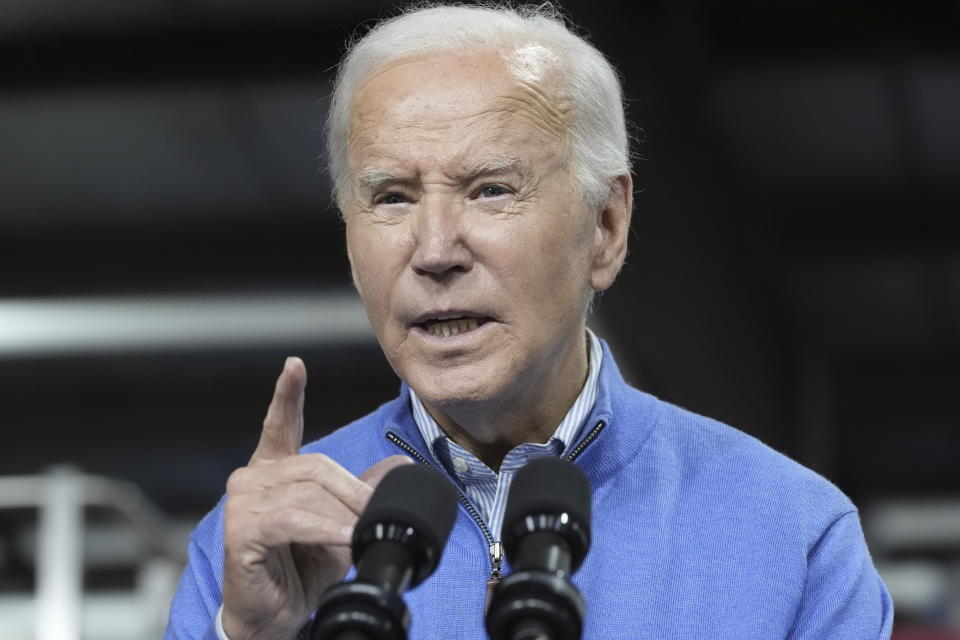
{"x":494,"y":547}
{"x":597,"y":428}
{"x":496,"y":559}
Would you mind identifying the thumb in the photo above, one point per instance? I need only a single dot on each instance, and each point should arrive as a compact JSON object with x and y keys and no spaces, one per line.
{"x":282,"y":432}
{"x":375,"y":474}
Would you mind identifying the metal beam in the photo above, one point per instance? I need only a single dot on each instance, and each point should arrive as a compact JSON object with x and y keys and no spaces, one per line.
{"x":65,"y":326}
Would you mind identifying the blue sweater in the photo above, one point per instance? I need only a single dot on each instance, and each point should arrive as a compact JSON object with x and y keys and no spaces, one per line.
{"x":699,"y":531}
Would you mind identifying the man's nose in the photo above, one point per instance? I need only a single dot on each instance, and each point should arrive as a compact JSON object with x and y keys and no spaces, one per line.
{"x":440,"y":237}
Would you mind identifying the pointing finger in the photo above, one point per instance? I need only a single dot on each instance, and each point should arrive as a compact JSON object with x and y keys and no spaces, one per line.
{"x":282,"y":432}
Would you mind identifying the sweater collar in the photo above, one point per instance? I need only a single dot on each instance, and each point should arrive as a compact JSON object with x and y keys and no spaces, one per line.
{"x":627,"y":418}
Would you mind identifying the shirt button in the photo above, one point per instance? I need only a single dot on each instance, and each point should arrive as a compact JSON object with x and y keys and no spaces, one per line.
{"x":460,"y":465}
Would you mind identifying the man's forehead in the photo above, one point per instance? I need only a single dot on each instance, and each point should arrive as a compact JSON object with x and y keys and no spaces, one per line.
{"x":525,"y":62}
{"x":434,"y":91}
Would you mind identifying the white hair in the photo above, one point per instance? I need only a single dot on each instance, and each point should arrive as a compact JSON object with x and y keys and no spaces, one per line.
{"x":597,"y":133}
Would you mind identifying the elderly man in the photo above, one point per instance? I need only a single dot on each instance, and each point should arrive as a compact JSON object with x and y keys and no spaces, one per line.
{"x":480,"y":159}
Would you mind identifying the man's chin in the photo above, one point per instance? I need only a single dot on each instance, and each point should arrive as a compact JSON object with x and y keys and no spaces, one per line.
{"x":452,"y":391}
{"x":448,"y":397}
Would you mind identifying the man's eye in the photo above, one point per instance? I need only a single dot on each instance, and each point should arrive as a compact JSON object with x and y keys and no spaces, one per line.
{"x":492,"y":190}
{"x":392,"y":198}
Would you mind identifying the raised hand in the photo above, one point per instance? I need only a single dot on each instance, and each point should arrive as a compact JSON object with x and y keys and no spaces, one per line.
{"x":288,"y":520}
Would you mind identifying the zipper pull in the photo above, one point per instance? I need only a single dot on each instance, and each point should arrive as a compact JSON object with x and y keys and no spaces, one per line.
{"x":496,"y":562}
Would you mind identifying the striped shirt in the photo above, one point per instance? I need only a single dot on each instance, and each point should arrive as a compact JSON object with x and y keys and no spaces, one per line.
{"x":485,"y":487}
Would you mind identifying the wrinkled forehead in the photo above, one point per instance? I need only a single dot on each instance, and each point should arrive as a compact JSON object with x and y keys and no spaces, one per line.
{"x":452,"y":95}
{"x":526,"y":62}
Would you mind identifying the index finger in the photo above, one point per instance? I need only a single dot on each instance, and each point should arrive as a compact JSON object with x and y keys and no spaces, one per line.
{"x":282,"y":432}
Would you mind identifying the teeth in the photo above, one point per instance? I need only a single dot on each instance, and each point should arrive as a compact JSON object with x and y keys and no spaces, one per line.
{"x":451,"y":327}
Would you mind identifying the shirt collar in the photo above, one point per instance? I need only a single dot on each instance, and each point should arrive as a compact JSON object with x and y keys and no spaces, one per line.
{"x":566,"y":432}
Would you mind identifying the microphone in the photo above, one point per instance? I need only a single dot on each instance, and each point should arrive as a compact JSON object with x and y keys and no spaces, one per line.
{"x":397,"y":544}
{"x":546,"y":535}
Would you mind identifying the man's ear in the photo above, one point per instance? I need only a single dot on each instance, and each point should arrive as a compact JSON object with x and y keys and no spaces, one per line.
{"x":611,"y":233}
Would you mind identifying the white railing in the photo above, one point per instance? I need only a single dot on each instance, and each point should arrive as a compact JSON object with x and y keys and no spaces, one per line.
{"x":59,"y":608}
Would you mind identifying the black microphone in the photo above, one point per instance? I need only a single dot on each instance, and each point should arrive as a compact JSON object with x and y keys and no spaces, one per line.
{"x":397,"y":543}
{"x":546,"y":535}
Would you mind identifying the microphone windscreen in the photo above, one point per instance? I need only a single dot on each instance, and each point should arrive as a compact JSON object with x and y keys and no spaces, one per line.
{"x":549,"y":485}
{"x":417,"y":496}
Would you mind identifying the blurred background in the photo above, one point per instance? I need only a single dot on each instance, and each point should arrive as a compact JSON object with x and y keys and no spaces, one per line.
{"x":166,"y":239}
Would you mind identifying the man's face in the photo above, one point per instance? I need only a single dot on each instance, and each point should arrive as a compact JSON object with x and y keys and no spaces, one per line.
{"x":471,"y":250}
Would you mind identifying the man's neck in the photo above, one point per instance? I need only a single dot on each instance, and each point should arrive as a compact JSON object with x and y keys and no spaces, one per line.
{"x":490,"y":431}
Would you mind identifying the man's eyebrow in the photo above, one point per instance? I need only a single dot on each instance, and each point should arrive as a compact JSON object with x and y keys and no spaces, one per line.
{"x":373,"y":177}
{"x":494,"y":165}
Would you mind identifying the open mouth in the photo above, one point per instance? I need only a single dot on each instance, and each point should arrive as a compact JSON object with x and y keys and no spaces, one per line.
{"x":451,"y":326}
